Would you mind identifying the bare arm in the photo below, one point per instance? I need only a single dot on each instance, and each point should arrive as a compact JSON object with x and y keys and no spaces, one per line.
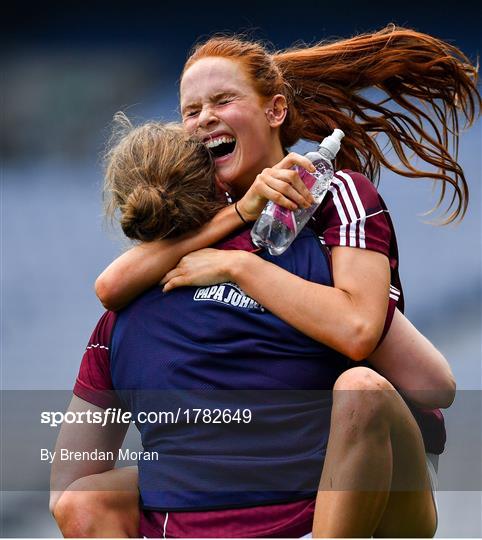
{"x":83,"y":437}
{"x":348,"y":317}
{"x":144,"y":265}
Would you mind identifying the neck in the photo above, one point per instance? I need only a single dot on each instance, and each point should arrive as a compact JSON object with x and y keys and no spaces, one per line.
{"x":274,"y":157}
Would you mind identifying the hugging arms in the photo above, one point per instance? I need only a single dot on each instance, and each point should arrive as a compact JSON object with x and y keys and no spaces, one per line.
{"x":241,"y":102}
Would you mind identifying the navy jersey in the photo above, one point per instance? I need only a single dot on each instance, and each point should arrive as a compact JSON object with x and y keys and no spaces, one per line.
{"x":221,"y":348}
{"x":215,"y":349}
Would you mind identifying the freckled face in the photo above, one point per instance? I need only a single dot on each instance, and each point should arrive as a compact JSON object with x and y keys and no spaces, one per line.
{"x":217,"y":98}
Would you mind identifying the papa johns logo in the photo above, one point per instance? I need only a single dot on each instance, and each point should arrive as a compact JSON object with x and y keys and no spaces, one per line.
{"x":226,"y":293}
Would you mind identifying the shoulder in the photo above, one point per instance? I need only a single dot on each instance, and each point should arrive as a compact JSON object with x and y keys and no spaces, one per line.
{"x":357,"y":178}
{"x":354,"y":214}
{"x":102,"y":333}
{"x":94,"y":382}
{"x":141,"y":305}
{"x":356,"y":192}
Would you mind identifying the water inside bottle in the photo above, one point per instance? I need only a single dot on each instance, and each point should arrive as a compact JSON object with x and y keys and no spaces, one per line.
{"x":272,"y":234}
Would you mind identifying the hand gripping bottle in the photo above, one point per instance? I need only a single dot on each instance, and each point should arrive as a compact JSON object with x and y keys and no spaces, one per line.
{"x":277,"y":226}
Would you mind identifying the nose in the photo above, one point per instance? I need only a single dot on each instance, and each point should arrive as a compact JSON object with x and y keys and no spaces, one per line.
{"x":207,"y":117}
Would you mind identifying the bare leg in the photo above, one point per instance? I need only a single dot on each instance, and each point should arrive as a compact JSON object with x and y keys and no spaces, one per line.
{"x":375,"y":446}
{"x":102,"y":505}
{"x":414,"y":366}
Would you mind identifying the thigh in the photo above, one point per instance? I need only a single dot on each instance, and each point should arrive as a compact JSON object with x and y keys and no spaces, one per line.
{"x":410,"y":510}
{"x":411,"y":363}
{"x":408,"y":515}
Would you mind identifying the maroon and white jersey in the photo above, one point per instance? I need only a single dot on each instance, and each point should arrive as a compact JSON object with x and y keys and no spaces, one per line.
{"x":353,"y":214}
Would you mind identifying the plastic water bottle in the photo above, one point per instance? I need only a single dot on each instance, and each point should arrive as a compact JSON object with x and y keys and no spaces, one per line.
{"x":277,"y":226}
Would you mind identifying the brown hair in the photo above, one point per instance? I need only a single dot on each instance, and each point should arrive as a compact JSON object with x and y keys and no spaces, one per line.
{"x":322,"y":84}
{"x":160,"y":178}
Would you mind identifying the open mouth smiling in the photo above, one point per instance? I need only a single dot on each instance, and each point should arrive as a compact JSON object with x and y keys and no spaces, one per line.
{"x":221,"y":146}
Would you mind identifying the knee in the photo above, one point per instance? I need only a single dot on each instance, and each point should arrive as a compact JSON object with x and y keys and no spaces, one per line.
{"x":362,"y":378}
{"x":361,"y":399}
{"x":78,"y":513}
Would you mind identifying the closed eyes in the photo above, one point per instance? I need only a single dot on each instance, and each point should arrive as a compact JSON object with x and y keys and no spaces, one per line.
{"x":224,"y":100}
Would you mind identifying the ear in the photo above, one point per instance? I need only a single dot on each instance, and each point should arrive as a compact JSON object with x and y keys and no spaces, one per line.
{"x":276,"y":111}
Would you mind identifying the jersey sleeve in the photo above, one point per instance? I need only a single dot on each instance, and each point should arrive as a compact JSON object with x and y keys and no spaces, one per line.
{"x":354,"y":215}
{"x":94,"y":382}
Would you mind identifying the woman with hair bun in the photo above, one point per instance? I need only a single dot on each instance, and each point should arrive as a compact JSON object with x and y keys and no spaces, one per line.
{"x":160,"y":179}
{"x":249,"y":105}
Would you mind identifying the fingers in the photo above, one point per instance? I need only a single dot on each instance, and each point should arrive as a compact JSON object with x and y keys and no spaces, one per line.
{"x":293,"y":159}
{"x":279,"y":198}
{"x":284,"y":187}
{"x":183,"y":264}
{"x":180,"y":281}
{"x":175,"y":272}
{"x":174,"y":278}
{"x":284,"y":194}
{"x":293,"y":187}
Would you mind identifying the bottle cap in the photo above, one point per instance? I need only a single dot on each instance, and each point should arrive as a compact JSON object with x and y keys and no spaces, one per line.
{"x":332,"y":142}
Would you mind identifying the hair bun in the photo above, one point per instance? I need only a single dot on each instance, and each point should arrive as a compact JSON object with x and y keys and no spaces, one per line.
{"x":143,"y":213}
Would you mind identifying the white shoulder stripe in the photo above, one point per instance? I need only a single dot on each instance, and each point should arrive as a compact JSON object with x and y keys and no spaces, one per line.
{"x":394,"y":293}
{"x":350,"y":209}
{"x":360,"y":208}
{"x":341,"y":215}
{"x":352,"y":217}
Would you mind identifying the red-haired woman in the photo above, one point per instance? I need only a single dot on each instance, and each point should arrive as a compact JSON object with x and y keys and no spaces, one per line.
{"x":249,"y":106}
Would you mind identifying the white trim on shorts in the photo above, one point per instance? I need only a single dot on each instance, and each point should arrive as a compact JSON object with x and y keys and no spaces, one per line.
{"x":432,"y":467}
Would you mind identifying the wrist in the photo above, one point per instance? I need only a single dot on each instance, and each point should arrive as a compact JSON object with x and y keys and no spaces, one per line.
{"x":243,"y":211}
{"x":240,"y":215}
{"x":238,"y":264}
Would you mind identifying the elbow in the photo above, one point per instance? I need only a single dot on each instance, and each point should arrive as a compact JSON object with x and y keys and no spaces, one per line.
{"x":363,"y":340}
{"x":106,"y":292}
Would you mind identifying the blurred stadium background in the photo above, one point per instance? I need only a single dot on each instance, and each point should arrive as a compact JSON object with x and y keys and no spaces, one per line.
{"x":67,"y":68}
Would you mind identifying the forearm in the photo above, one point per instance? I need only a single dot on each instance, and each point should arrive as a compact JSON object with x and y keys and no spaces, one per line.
{"x":144,"y":265}
{"x":327,"y":314}
{"x":82,"y":437}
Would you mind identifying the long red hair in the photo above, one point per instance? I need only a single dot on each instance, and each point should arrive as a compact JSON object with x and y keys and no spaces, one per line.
{"x":424,"y":79}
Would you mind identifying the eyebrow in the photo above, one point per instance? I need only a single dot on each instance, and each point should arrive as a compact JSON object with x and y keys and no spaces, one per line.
{"x":215,"y":97}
